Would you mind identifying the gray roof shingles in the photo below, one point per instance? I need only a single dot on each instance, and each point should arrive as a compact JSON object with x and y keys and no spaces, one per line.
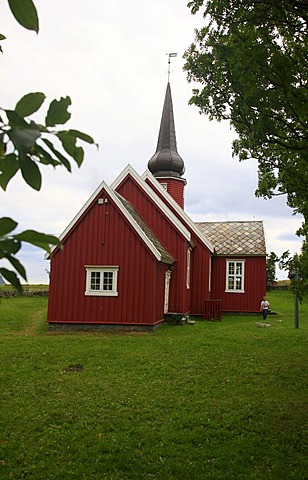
{"x":235,"y":238}
{"x":165,"y":255}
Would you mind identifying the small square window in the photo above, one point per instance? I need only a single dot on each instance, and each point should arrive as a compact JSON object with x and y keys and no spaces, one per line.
{"x":101,"y":281}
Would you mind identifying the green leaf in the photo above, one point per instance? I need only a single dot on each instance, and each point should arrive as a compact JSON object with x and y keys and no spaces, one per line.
{"x":9,"y":165}
{"x":82,"y":136}
{"x":59,"y":155}
{"x":30,"y":172}
{"x":37,"y":126}
{"x":18,"y":266}
{"x":57,"y":113}
{"x":9,"y":246}
{"x":45,"y":157}
{"x":12,"y":278}
{"x":29,"y":104}
{"x":7,"y":225}
{"x":2,"y":37}
{"x":15,"y":120}
{"x":25,"y":13}
{"x":38,"y":239}
{"x":23,"y":138}
{"x":69,"y":144}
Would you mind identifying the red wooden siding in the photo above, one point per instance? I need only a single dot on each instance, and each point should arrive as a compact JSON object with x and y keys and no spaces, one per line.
{"x":200,"y":277}
{"x":254,"y":284}
{"x":175,"y":188}
{"x":200,"y":288}
{"x":176,"y":244}
{"x":104,"y":237}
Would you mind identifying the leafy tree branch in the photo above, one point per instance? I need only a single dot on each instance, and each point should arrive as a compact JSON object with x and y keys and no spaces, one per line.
{"x":26,"y":145}
{"x":251,"y":62}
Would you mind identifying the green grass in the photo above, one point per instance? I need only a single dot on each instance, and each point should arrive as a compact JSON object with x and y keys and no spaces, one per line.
{"x":215,"y":400}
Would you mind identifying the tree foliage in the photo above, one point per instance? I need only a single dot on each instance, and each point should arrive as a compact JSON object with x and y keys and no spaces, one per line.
{"x":251,"y":61}
{"x":297,"y":268}
{"x":25,"y":146}
{"x":271,"y":262}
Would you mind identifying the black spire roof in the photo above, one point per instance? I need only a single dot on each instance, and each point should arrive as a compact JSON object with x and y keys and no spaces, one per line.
{"x":166,"y":162}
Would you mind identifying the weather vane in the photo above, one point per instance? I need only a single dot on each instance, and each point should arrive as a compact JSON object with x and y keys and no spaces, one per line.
{"x":169,"y":56}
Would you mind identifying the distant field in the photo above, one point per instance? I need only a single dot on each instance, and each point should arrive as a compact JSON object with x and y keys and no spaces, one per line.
{"x":34,"y":287}
{"x":214,"y":400}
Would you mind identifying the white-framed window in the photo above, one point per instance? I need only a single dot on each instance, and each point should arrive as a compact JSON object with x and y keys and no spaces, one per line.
{"x":102,"y":280}
{"x":235,"y":276}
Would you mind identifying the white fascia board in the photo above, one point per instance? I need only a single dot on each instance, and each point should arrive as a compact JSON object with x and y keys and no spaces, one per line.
{"x":147,"y":175}
{"x":150,"y":192}
{"x":109,"y":191}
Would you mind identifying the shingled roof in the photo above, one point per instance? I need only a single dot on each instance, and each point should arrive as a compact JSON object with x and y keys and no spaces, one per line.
{"x":235,"y":238}
{"x":165,"y":255}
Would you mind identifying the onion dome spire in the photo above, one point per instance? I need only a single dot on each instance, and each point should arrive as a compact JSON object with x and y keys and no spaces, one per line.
{"x":166,"y":162}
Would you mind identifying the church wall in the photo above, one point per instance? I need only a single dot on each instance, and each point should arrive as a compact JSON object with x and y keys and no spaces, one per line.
{"x":176,"y":244}
{"x":200,"y":268}
{"x":103,"y":237}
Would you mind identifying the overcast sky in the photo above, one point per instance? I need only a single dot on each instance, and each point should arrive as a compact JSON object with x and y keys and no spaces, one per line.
{"x":110,"y":58}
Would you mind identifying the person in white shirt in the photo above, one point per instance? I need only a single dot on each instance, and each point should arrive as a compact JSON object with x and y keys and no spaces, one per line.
{"x":264,"y":307}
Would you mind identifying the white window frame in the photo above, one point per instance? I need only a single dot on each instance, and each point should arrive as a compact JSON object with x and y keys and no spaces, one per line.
{"x":210,"y":273}
{"x":188,"y":264}
{"x":235,"y":275}
{"x":167,"y":290}
{"x":101,"y":269}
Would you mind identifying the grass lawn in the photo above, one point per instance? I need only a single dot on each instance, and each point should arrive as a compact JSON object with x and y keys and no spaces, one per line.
{"x":215,"y":400}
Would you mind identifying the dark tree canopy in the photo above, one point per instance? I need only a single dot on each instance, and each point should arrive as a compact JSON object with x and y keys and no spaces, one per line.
{"x":251,"y":61}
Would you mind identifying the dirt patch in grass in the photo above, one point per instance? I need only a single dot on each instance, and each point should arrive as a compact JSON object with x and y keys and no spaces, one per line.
{"x":74,"y":368}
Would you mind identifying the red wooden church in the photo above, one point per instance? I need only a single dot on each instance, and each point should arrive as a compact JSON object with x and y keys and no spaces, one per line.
{"x":132,"y":257}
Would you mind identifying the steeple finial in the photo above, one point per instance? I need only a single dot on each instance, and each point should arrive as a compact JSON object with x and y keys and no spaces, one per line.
{"x":169,"y":63}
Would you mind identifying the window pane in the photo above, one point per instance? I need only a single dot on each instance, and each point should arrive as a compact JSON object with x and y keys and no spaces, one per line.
{"x":239,"y":268}
{"x":95,"y":280}
{"x":231,"y":268}
{"x":231,"y":283}
{"x":238,"y":283}
{"x":107,"y":280}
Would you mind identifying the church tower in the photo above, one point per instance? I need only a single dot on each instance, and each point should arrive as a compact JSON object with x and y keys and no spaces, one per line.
{"x":166,"y":164}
